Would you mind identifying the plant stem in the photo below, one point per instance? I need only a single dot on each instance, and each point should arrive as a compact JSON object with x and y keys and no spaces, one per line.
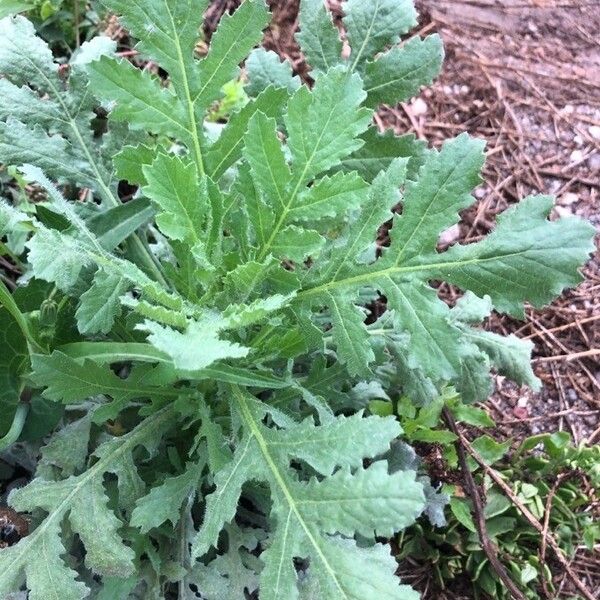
{"x":16,"y":428}
{"x":76,"y":23}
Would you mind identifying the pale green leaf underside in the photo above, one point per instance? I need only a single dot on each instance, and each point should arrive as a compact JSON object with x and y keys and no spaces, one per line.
{"x":265,"y":454}
{"x":73,"y":497}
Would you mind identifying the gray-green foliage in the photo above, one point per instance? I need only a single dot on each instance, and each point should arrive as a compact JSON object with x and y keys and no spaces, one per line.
{"x":210,"y":334}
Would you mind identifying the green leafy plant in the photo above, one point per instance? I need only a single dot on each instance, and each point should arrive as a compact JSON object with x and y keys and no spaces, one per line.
{"x":207,"y":338}
{"x":62,"y":23}
{"x":548,"y":482}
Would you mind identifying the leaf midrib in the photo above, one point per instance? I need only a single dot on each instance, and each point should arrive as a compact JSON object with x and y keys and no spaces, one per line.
{"x":373,"y":275}
{"x":289,"y":205}
{"x":279,"y":478}
{"x":188,"y":95}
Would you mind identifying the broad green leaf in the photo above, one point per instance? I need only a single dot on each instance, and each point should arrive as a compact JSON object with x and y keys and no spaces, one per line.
{"x":265,"y":69}
{"x":198,"y":346}
{"x":336,"y":444}
{"x":92,"y":50}
{"x":167,"y":33}
{"x":296,"y":243}
{"x":461,"y":510}
{"x":228,"y":147}
{"x":391,"y":74}
{"x":21,"y":103}
{"x":231,"y":574}
{"x":505,"y":265}
{"x":61,"y":268}
{"x":73,"y":499}
{"x":380,"y":150}
{"x":420,"y":313}
{"x":181,"y":198}
{"x":245,"y":315}
{"x":489,"y":449}
{"x":471,"y":415}
{"x":383,"y":195}
{"x":8,"y":303}
{"x":264,"y":154}
{"x":261,"y":455}
{"x":526,"y":258}
{"x":350,"y":337}
{"x":11,"y":7}
{"x":334,"y":506}
{"x":236,"y":35}
{"x":25,"y":58}
{"x":322,"y":129}
{"x":337,"y":575}
{"x":130,"y":161}
{"x":319,"y":39}
{"x":101,"y":303}
{"x":163,"y":502}
{"x":475,"y":383}
{"x":65,"y":147}
{"x":12,"y":366}
{"x":431,"y":204}
{"x":399,"y":74}
{"x":116,"y":224}
{"x":20,"y":144}
{"x":372,"y":26}
{"x":68,"y":381}
{"x":68,"y":448}
{"x":138,"y":98}
{"x":330,"y":197}
{"x":34,"y":565}
{"x":471,"y":309}
{"x":115,"y":352}
{"x":323,"y":126}
{"x":510,"y":355}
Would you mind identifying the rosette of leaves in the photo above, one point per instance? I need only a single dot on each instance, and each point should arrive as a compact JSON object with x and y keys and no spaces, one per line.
{"x":210,"y":332}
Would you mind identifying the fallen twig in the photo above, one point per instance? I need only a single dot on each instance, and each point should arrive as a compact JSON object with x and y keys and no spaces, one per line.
{"x":572,"y":356}
{"x":464,"y":444}
{"x":489,"y":548}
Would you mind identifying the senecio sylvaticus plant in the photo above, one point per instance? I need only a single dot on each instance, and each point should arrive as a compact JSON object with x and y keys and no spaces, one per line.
{"x":195,"y":361}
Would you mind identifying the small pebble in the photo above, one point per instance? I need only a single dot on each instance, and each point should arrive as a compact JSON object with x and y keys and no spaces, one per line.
{"x":563,"y":211}
{"x":576,"y":156}
{"x":419,"y":107}
{"x":450,"y":235}
{"x":595,"y":132}
{"x":569,"y":198}
{"x":594,"y":162}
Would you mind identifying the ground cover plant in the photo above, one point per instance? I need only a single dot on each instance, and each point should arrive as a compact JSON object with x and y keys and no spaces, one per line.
{"x":202,"y":352}
{"x":552,"y":483}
